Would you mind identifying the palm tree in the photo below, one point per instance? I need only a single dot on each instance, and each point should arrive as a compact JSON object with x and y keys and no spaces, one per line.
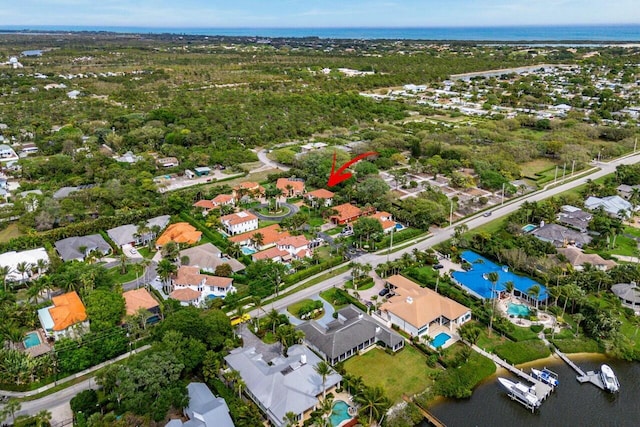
{"x":123,"y":258}
{"x":290,"y":419}
{"x":42,"y":266}
{"x":43,"y":418}
{"x":510,"y":286}
{"x":534,"y":292}
{"x":579,"y":317}
{"x":165,"y":270}
{"x":145,"y":264}
{"x":372,"y":401}
{"x":258,"y":240}
{"x":493,"y":278}
{"x":323,"y":369}
{"x":170,"y":250}
{"x":23,"y":268}
{"x":11,"y":407}
{"x":273,"y":319}
{"x":234,"y":250}
{"x":4,"y":271}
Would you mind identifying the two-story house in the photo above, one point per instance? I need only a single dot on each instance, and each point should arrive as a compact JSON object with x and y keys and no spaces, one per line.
{"x":240,"y":222}
{"x":290,"y":187}
{"x":192,"y":287}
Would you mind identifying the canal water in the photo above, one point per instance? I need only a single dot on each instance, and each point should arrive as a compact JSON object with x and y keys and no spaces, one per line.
{"x":572,"y":404}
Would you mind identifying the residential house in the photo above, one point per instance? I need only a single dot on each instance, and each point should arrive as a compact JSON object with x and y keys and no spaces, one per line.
{"x":575,"y":218}
{"x":352,"y":331}
{"x":629,"y":294}
{"x":64,"y":192}
{"x":30,"y":258}
{"x":207,"y":257}
{"x":561,"y":236}
{"x":67,"y":317}
{"x":312,"y":146}
{"x":579,"y":259}
{"x":204,"y":409}
{"x":418,"y":311}
{"x":270,"y":235}
{"x":128,"y":235}
{"x":77,"y":248}
{"x":167,"y":162}
{"x":140,"y":299}
{"x":28,"y":148}
{"x":626,"y":191}
{"x":612,"y":205}
{"x":320,"y":197}
{"x":128,"y":157}
{"x":275,"y":254}
{"x":290,"y":187}
{"x":248,"y":188}
{"x":180,"y":232}
{"x":386,"y":221}
{"x":346,"y":213}
{"x":296,"y":246}
{"x":207,"y":286}
{"x":216,"y":202}
{"x":240,"y":222}
{"x":7,"y":153}
{"x":282,"y":384}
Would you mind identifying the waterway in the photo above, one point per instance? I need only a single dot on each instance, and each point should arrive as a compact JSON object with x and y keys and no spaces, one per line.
{"x":572,"y":404}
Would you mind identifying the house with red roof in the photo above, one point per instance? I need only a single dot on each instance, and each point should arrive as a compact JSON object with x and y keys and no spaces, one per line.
{"x":270,"y":235}
{"x":290,"y":187}
{"x":296,"y":246}
{"x":248,"y":188}
{"x":67,"y":317}
{"x":386,"y":221}
{"x":189,"y":281}
{"x":240,"y":222}
{"x":216,"y":202}
{"x":320,"y":197}
{"x":345,"y":213}
{"x":274,"y":254}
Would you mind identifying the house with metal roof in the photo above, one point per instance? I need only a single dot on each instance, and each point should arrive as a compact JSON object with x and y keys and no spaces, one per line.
{"x":285,"y":384}
{"x":612,"y":205}
{"x":204,"y":409}
{"x":351,"y":332}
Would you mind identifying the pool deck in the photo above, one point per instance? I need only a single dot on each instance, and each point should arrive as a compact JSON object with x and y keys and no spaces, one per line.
{"x":40,"y":349}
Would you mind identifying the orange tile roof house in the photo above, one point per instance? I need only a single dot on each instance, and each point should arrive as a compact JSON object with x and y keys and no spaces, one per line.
{"x":346,"y":213}
{"x":274,"y":254}
{"x":270,"y":235}
{"x":67,"y":317}
{"x":320,"y":196}
{"x":240,"y":222}
{"x":296,"y":246}
{"x":206,"y":286}
{"x":216,"y":202}
{"x":137,"y":299}
{"x":386,"y":221}
{"x":417,"y":310}
{"x":180,"y":232}
{"x":290,"y":187}
{"x":247,"y":188}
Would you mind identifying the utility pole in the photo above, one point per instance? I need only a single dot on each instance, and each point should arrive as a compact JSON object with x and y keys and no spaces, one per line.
{"x":555,"y":179}
{"x":564,"y":170}
{"x":450,"y":213}
{"x":573,"y":166}
{"x":635,"y":145}
{"x":502,"y":202}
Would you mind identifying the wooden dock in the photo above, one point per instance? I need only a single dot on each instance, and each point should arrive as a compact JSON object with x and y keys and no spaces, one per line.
{"x":426,"y":414}
{"x":542,"y":390}
{"x":583,"y":377}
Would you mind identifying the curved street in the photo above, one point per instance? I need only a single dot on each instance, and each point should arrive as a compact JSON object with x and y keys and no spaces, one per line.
{"x":293,"y":209}
{"x":262,"y":156}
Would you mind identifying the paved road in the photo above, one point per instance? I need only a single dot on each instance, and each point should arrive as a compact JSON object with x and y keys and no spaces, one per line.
{"x":293,"y":209}
{"x":446,"y":233}
{"x":262,"y":156}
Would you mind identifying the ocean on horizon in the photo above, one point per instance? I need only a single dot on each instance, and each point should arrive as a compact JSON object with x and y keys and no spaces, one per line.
{"x":578,"y":33}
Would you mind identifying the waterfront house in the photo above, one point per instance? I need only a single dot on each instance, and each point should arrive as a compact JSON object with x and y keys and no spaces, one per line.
{"x":204,"y":409}
{"x":629,"y":294}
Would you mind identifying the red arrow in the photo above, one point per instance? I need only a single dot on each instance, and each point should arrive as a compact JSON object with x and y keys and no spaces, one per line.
{"x":336,"y":177}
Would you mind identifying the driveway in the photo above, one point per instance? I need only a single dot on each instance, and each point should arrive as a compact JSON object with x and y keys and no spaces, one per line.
{"x":262,"y":156}
{"x":326,"y":317}
{"x":293,"y":209}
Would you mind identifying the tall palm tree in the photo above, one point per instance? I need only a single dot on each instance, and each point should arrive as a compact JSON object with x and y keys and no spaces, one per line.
{"x":23,"y":268}
{"x":290,"y":419}
{"x":510,"y":286}
{"x":234,"y":250}
{"x":323,"y":369}
{"x":123,"y":258}
{"x":42,"y":266}
{"x":4,"y":271}
{"x":165,"y":270}
{"x":534,"y":292}
{"x":373,"y":402}
{"x":493,"y":277}
{"x":258,"y":240}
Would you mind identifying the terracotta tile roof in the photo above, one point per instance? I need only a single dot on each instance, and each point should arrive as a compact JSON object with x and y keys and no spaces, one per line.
{"x":249,"y":185}
{"x":238,"y":218}
{"x":205,"y":204}
{"x":346,"y":212}
{"x":67,"y":310}
{"x":136,"y":299}
{"x":185,"y":294}
{"x":321,"y":194}
{"x":220,"y":282}
{"x":221,"y":199}
{"x":294,"y":241}
{"x":270,"y":235}
{"x":180,"y":232}
{"x":296,"y":186}
{"x":271,"y":253}
{"x":190,"y":276}
{"x":420,"y":306}
{"x":302,"y":253}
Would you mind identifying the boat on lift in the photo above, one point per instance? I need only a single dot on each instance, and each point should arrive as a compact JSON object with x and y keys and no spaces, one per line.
{"x":546,"y":376}
{"x":521,"y":392}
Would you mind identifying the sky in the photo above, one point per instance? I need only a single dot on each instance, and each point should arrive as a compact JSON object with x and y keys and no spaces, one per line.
{"x":318,"y":13}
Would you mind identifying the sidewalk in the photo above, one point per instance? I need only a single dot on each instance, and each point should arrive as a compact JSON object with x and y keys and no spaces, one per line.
{"x":20,"y":394}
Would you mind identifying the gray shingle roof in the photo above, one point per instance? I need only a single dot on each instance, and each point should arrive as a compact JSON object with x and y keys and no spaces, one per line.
{"x":69,"y":248}
{"x":559,"y":235}
{"x":350,"y":329}
{"x":125,"y":234}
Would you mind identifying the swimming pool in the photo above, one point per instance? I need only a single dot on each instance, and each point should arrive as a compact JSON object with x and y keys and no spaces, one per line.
{"x":399,"y":226}
{"x":440,"y":339}
{"x":529,"y":227}
{"x":475,"y":280}
{"x":339,"y":413}
{"x":31,"y":340}
{"x":518,"y":309}
{"x":247,"y":250}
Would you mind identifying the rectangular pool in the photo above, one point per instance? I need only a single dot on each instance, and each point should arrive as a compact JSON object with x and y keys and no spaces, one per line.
{"x":440,"y":339}
{"x":31,"y":340}
{"x":528,"y":228}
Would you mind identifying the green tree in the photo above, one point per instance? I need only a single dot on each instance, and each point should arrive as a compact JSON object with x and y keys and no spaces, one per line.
{"x":373,"y":403}
{"x":323,"y":369}
{"x":493,"y":278}
{"x":105,"y":309}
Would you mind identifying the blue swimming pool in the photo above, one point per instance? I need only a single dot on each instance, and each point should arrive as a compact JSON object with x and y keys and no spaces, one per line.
{"x":518,"y":309}
{"x":529,"y":227}
{"x":339,"y":413}
{"x":32,"y":339}
{"x":475,"y":280}
{"x":440,"y":339}
{"x":399,"y":226}
{"x":247,"y":250}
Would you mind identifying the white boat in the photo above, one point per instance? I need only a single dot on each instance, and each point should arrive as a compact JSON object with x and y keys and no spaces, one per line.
{"x":546,"y":376}
{"x":524,"y":394}
{"x":609,"y":379}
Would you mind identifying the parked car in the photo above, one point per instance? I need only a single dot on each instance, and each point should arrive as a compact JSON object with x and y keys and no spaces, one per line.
{"x":438,"y":266}
{"x":383,"y":292}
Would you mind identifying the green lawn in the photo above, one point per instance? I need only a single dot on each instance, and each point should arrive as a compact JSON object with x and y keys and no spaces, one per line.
{"x":538,"y":168}
{"x":624,"y":246}
{"x":133,"y":271}
{"x":145,"y":252}
{"x":296,"y":306}
{"x":330,"y":296}
{"x":324,"y":252}
{"x":10,"y":232}
{"x":334,"y":231}
{"x":363,"y":284}
{"x":405,"y":372}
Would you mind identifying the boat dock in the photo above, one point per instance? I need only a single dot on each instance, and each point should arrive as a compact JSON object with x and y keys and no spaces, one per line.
{"x":583,"y":377}
{"x":542,"y":390}
{"x":426,"y":414}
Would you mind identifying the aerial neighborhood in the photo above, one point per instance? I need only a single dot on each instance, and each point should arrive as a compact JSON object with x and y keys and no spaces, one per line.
{"x":169,"y":234}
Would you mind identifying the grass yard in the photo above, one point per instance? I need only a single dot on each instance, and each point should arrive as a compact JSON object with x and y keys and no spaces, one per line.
{"x":491,"y":227}
{"x":405,"y":372}
{"x":624,"y":246}
{"x":331,"y":296}
{"x":133,"y":271}
{"x":538,"y":166}
{"x":363,"y":284}
{"x":10,"y":232}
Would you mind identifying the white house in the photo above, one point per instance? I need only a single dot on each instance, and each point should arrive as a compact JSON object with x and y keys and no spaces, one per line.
{"x":296,"y":246}
{"x":67,"y":317}
{"x":613,"y":205}
{"x":192,"y":288}
{"x":204,"y":409}
{"x":30,"y":258}
{"x":241,"y":222}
